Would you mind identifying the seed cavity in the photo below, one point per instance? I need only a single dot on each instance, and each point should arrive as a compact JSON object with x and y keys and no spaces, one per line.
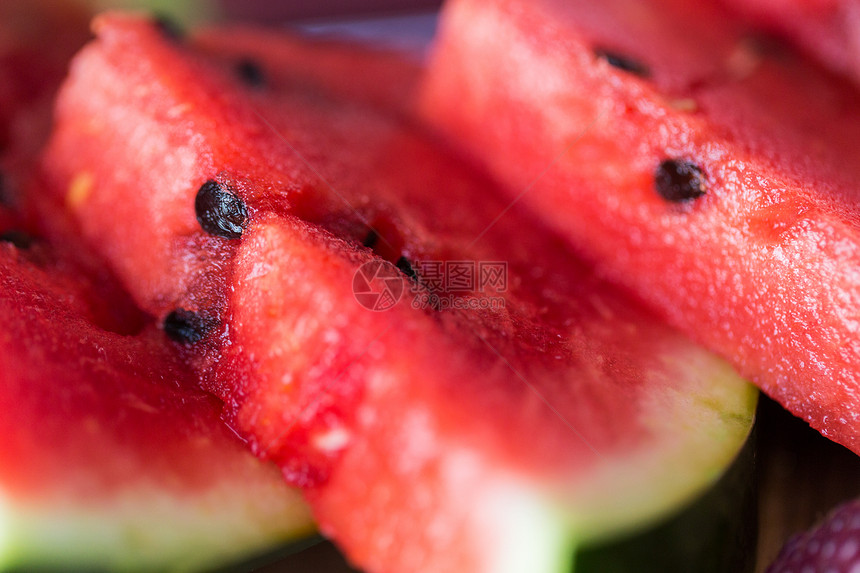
{"x":19,"y":239}
{"x":686,"y":105}
{"x":186,"y":326}
{"x":168,"y":27}
{"x":623,"y":63}
{"x":5,"y":198}
{"x":220,"y":212}
{"x":371,"y":239}
{"x":384,"y":237}
{"x":406,"y":267}
{"x":80,"y":189}
{"x":679,"y":180}
{"x":250,"y":73}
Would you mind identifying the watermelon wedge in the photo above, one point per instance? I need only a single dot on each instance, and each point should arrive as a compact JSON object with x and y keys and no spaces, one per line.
{"x":110,"y":459}
{"x":492,"y":428}
{"x":713,"y":177}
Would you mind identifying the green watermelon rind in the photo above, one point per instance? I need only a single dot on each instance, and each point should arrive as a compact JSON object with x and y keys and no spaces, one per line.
{"x":146,"y":529}
{"x":713,"y":424}
{"x":544,"y":527}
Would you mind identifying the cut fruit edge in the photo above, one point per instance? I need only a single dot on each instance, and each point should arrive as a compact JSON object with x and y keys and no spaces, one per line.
{"x":701,"y":421}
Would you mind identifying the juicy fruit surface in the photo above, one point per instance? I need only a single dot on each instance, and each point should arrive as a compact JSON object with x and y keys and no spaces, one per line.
{"x":763,"y":267}
{"x":832,"y":546}
{"x":109,"y":456}
{"x":387,"y":79}
{"x":398,"y":422}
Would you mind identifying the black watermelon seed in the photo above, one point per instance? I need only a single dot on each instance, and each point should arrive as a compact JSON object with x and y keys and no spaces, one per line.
{"x":406,"y":267}
{"x":219,"y":211}
{"x":186,"y":326}
{"x":679,"y":180}
{"x":624,"y":63}
{"x":20,"y":239}
{"x":250,"y":73}
{"x":5,"y":199}
{"x":371,"y":239}
{"x":168,"y":27}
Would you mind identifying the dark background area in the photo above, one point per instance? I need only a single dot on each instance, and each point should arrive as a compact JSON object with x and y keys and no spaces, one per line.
{"x":273,"y":10}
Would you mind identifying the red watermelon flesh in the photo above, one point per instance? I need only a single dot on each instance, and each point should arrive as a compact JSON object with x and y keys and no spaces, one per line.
{"x":428,"y":440}
{"x":827,"y":29}
{"x":110,"y":458}
{"x":374,"y":75}
{"x":577,"y":105}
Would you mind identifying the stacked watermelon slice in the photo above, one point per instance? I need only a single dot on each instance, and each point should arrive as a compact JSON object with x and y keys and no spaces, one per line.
{"x":246,"y":234}
{"x":395,"y":423}
{"x":111,"y":458}
{"x":712,"y":175}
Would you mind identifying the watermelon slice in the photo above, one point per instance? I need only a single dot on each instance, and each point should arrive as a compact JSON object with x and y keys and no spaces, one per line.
{"x":827,"y":29}
{"x":110,"y":459}
{"x":715,"y":178}
{"x":488,"y":430}
{"x":127,"y":466}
